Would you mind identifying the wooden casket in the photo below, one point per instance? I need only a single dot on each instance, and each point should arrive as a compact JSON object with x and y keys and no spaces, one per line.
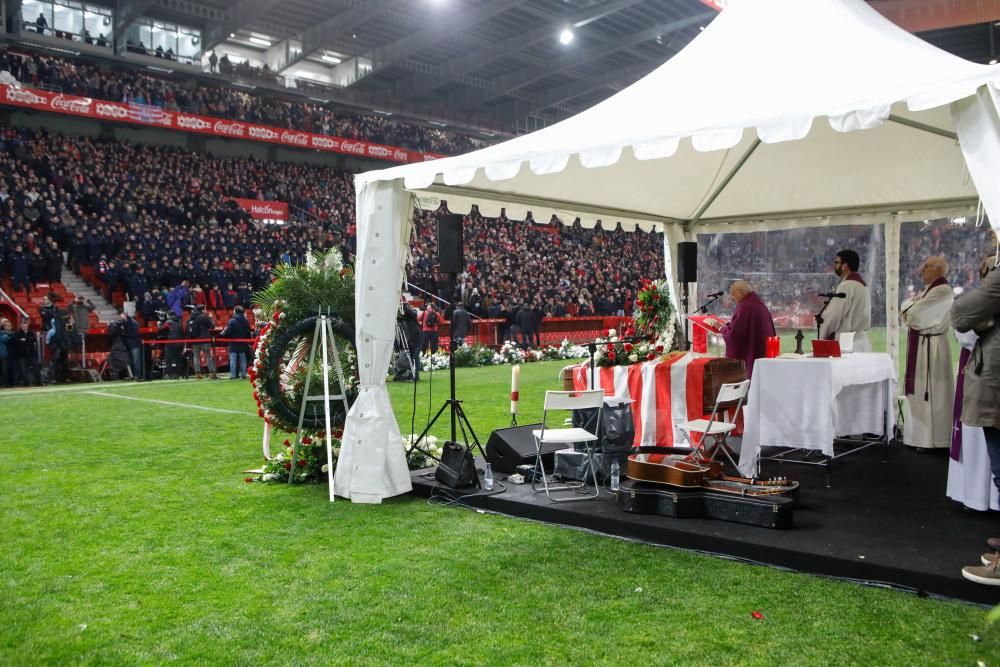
{"x":720,"y":371}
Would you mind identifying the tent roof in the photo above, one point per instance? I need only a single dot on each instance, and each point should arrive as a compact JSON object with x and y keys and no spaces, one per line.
{"x":866,"y":101}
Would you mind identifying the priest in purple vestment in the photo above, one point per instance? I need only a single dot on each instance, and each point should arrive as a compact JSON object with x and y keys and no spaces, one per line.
{"x":746,"y":333}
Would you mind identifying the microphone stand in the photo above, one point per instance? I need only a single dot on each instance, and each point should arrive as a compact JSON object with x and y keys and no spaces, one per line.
{"x":703,"y":308}
{"x":819,"y":316}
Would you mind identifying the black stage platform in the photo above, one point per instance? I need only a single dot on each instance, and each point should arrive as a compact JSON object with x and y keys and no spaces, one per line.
{"x":880,"y":522}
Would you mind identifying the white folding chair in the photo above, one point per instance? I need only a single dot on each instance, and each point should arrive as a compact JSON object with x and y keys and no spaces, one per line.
{"x":567,"y":400}
{"x":714,"y":426}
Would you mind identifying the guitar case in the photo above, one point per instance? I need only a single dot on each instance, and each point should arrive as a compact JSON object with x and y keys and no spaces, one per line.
{"x":773,"y":511}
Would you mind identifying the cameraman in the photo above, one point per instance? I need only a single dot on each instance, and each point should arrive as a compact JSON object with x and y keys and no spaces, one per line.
{"x":201,"y":325}
{"x":172,"y":329}
{"x":81,"y":309}
{"x":409,"y":326}
{"x":118,"y":359}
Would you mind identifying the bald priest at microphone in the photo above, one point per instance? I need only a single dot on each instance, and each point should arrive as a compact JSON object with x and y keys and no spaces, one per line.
{"x":746,"y":333}
{"x":851,"y":311}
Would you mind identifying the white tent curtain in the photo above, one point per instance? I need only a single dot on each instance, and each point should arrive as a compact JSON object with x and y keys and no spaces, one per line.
{"x":372,"y":464}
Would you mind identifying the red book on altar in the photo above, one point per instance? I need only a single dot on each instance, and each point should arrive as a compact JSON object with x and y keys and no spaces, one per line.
{"x":703,"y":324}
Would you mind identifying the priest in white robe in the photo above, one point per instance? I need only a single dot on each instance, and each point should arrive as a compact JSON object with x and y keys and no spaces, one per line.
{"x":930,"y":380}
{"x":853,"y":312}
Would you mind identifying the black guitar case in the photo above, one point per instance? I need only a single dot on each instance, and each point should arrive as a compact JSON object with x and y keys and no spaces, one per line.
{"x":772,"y":511}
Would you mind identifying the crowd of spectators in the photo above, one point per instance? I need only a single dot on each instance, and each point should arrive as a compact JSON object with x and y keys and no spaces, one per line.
{"x":554,"y":270}
{"x":159,"y":221}
{"x":122,"y":84}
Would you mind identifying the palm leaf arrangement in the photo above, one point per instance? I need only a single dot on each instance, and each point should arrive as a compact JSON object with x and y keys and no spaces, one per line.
{"x":323,"y":282}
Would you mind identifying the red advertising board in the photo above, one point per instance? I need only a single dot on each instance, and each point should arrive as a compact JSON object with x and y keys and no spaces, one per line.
{"x":260,"y":209}
{"x":139,"y":114}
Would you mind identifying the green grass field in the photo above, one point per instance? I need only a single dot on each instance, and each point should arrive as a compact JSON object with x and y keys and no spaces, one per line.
{"x":130,"y":537}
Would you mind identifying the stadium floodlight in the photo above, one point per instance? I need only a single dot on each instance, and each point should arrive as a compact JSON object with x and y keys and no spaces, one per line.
{"x":566,"y":36}
{"x":259,"y":42}
{"x":331,"y":59}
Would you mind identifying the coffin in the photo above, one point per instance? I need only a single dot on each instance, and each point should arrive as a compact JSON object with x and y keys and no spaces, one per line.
{"x":718,"y":372}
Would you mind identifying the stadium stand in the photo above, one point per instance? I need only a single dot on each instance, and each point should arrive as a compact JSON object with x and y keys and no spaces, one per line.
{"x":124,"y":84}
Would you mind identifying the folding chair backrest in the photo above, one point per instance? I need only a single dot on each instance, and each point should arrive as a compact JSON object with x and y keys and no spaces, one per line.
{"x":574,"y":400}
{"x":732,"y":392}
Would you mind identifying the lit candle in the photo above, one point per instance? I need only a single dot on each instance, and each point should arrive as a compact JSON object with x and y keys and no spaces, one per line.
{"x":515,"y":385}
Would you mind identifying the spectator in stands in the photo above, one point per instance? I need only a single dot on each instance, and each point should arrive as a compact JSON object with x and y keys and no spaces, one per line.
{"x":41,"y":24}
{"x":177,"y":298}
{"x":213,"y":62}
{"x":6,"y":334}
{"x":200,"y":326}
{"x":22,"y":350}
{"x":238,"y":328}
{"x":19,"y":269}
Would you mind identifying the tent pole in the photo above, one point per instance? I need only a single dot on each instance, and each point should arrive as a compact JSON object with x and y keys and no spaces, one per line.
{"x":722,"y":186}
{"x":923,"y":126}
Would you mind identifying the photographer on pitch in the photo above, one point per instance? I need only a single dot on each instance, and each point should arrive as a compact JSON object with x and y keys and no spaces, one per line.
{"x":407,"y":344}
{"x":201,"y":325}
{"x":171,"y":329}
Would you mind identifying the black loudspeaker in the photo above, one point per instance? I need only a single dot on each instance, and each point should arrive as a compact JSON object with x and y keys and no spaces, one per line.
{"x":457,"y":469}
{"x":687,"y":262}
{"x":508,"y":448}
{"x":450,"y":253}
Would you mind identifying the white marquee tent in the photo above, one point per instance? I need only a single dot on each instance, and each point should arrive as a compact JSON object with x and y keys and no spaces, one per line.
{"x":781,"y":114}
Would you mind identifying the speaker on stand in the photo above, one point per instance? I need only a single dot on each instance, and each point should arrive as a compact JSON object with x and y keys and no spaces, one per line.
{"x":687,"y":272}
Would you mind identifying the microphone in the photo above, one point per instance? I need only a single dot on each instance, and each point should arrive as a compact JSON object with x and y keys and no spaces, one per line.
{"x":833,"y":295}
{"x":715,"y":295}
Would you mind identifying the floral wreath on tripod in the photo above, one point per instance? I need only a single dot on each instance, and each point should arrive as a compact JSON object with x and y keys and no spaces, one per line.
{"x":296,"y":298}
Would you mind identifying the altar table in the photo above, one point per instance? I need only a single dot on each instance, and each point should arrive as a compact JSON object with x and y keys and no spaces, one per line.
{"x":805,"y":403}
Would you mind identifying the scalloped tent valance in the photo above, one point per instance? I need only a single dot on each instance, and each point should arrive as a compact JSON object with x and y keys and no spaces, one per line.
{"x":780,"y":113}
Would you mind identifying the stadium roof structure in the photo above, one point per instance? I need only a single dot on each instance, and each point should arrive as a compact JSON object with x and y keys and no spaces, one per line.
{"x":780,"y":114}
{"x":493,"y":65}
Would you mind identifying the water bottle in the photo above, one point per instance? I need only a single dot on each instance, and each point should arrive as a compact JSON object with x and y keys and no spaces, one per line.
{"x":615,"y":476}
{"x":488,"y":478}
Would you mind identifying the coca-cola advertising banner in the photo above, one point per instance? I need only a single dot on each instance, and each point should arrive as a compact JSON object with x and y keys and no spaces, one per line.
{"x":260,"y":209}
{"x":139,"y":114}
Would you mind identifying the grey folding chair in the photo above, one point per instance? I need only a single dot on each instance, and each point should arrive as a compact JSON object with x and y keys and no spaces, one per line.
{"x":714,"y":426}
{"x":567,"y":400}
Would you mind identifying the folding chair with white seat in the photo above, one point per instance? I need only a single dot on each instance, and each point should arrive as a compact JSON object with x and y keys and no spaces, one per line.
{"x":714,"y":426}
{"x":567,"y":400}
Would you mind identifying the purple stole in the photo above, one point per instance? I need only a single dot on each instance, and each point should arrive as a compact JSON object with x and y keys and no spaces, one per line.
{"x":956,"y":427}
{"x":912,"y":344}
{"x":856,"y":277}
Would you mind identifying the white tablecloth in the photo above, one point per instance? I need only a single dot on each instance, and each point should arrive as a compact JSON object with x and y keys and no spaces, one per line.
{"x":807,"y":402}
